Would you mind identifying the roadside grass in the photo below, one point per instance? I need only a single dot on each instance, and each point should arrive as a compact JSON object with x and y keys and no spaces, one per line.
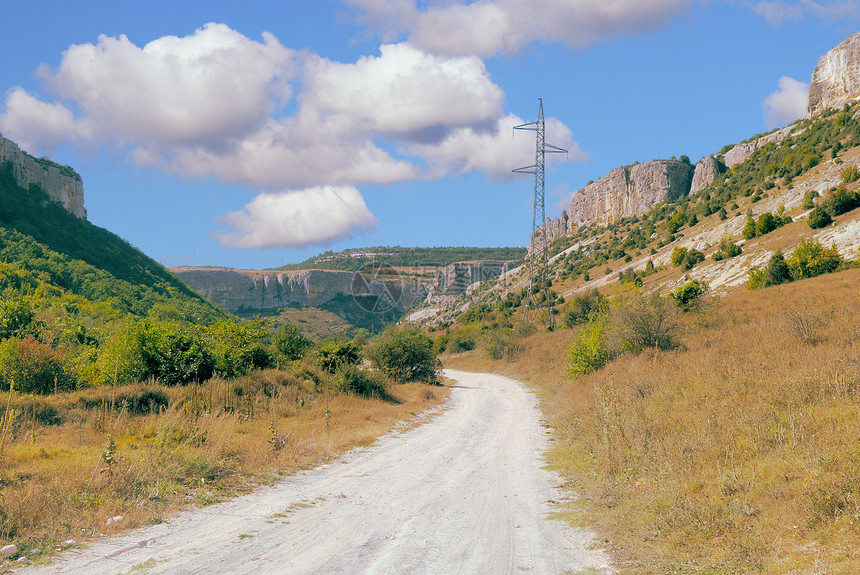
{"x":100,"y":458}
{"x":738,"y":452}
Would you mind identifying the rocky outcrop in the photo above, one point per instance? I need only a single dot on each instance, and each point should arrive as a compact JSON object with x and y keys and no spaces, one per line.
{"x":836,"y":78}
{"x":557,"y":228}
{"x":61,"y":183}
{"x":243,"y":290}
{"x":744,"y":150}
{"x":706,"y":173}
{"x":455,"y":279}
{"x":626,"y":192}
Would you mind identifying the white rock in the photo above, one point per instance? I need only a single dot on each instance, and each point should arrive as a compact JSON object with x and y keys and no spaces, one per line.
{"x":8,"y":551}
{"x":114,"y":520}
{"x":69,"y":543}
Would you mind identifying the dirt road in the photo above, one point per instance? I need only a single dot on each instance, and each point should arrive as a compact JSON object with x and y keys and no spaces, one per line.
{"x":463,"y":493}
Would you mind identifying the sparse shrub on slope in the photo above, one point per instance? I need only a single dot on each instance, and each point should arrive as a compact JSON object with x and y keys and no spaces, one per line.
{"x":727,"y":248}
{"x":588,"y":351}
{"x":583,"y":307}
{"x":849,"y":174}
{"x":640,"y":321}
{"x":689,"y":295}
{"x":290,"y":343}
{"x":774,"y":273}
{"x":819,"y":218}
{"x":811,"y":259}
{"x":32,"y":367}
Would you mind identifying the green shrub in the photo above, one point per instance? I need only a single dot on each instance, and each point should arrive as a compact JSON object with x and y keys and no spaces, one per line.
{"x":688,"y":296}
{"x":500,"y":343}
{"x":237,"y":347}
{"x":809,"y":199}
{"x":175,"y":355}
{"x":588,"y":351}
{"x":840,"y":201}
{"x":352,"y":379}
{"x":404,"y":355}
{"x":811,"y":259}
{"x":677,"y":256}
{"x":850,"y":174}
{"x":776,"y":272}
{"x":33,"y":367}
{"x":583,"y":308}
{"x":727,"y":248}
{"x":336,"y":355}
{"x":819,"y":218}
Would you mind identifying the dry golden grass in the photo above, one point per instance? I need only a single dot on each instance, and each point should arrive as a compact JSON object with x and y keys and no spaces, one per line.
{"x":60,"y":482}
{"x":737,"y":453}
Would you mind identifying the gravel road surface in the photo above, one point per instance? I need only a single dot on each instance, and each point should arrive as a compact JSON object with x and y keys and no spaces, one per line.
{"x":463,"y":493}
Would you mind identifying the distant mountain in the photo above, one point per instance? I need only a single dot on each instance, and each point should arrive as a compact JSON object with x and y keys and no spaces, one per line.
{"x":438,"y":257}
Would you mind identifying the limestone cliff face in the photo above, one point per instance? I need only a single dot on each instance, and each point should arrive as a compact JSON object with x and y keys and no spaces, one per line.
{"x":557,"y":228}
{"x":706,"y":173}
{"x":626,"y":192}
{"x":836,"y":78}
{"x":61,"y":183}
{"x":744,"y":150}
{"x":455,"y":279}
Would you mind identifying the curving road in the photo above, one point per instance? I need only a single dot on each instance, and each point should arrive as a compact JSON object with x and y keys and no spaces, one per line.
{"x":463,"y":493}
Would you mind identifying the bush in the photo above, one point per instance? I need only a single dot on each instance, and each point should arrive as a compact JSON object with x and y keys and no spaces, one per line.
{"x":840,"y":201}
{"x":806,"y":322}
{"x":809,"y":199}
{"x":775,"y":272}
{"x":174,"y":356}
{"x":688,"y":296}
{"x":811,"y":259}
{"x":727,"y":248}
{"x":677,"y":256}
{"x":686,"y":258}
{"x":352,"y":379}
{"x":819,"y":218}
{"x":850,"y":174}
{"x":583,"y":308}
{"x":237,"y":347}
{"x":640,"y":321}
{"x":336,"y":355}
{"x":588,"y":351}
{"x":33,"y":367}
{"x":404,"y":355}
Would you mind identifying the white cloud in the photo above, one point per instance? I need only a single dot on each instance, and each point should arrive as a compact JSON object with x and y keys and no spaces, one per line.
{"x":405,"y":92}
{"x":34,"y":124}
{"x":778,"y":11}
{"x":297,"y":218}
{"x":212,"y":104}
{"x":487,"y":27}
{"x":496,"y":151}
{"x":786,"y":104}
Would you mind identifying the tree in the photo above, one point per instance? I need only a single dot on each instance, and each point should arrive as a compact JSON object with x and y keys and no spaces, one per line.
{"x":237,"y":346}
{"x":588,"y":351}
{"x":336,"y":355}
{"x":33,"y":367}
{"x":688,"y":296}
{"x":290,"y":342}
{"x":811,"y":259}
{"x":175,"y":355}
{"x":404,"y":355}
{"x":819,"y":218}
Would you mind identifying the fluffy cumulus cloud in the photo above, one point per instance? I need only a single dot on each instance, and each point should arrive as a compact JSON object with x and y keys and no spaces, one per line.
{"x":313,"y":215}
{"x":786,"y":104}
{"x":778,"y":11}
{"x":495,"y":151}
{"x":258,"y":114}
{"x":488,"y":27}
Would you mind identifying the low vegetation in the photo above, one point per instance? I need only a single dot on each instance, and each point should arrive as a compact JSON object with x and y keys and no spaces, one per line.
{"x":731,"y":451}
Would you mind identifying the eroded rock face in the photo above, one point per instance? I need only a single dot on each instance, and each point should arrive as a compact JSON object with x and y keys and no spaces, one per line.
{"x":744,"y":150}
{"x":836,"y":78}
{"x":706,"y":173}
{"x":62,"y":184}
{"x":557,"y":228}
{"x":455,"y":279}
{"x":629,"y":192}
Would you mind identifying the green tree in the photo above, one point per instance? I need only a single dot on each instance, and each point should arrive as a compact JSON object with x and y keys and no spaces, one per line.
{"x":335,"y":355}
{"x":175,"y":355}
{"x":689,"y":295}
{"x":819,"y":218}
{"x":404,"y":355}
{"x":290,"y":342}
{"x":237,"y":347}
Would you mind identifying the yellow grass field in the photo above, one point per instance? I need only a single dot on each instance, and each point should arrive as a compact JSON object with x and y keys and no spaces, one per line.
{"x":737,"y":452}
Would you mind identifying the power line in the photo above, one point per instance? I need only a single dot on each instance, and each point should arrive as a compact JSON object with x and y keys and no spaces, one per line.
{"x":538,"y":294}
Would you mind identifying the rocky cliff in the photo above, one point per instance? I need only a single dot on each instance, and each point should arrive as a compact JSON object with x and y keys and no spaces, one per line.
{"x":706,"y":173}
{"x":61,"y":183}
{"x":836,"y":78}
{"x":739,"y":153}
{"x":455,"y":279}
{"x":555,"y":228}
{"x":629,"y":191}
{"x":249,"y":290}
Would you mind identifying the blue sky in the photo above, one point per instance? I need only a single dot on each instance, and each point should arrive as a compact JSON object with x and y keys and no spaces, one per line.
{"x":256,"y":134}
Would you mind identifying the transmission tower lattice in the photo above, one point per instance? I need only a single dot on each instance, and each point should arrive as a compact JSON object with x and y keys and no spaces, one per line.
{"x":538,"y":295}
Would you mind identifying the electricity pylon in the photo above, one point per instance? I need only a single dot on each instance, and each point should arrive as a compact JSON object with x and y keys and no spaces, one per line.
{"x":539,"y":262}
